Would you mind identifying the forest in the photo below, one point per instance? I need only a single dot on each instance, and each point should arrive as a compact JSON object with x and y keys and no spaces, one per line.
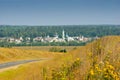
{"x":72,"y":30}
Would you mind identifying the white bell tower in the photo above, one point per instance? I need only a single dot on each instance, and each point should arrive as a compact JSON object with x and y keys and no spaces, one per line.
{"x":63,"y":35}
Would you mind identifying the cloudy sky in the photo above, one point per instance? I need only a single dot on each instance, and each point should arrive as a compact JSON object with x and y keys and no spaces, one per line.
{"x":59,"y":12}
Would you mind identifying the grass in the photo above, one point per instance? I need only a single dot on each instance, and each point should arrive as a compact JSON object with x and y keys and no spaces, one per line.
{"x":24,"y":72}
{"x":12,"y":54}
{"x":46,"y":48}
{"x":99,"y":60}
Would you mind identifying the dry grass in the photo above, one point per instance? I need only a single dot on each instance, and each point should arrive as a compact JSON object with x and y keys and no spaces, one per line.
{"x":46,"y":48}
{"x":105,"y":50}
{"x":12,"y":54}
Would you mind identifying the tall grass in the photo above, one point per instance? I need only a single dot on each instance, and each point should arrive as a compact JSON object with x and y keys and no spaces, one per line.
{"x":99,"y":60}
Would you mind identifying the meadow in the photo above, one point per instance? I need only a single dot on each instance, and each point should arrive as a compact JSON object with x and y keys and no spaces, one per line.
{"x":13,"y":54}
{"x":99,"y":60}
{"x":46,"y":48}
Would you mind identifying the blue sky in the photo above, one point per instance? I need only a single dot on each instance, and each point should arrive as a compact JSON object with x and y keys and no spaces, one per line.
{"x":59,"y":12}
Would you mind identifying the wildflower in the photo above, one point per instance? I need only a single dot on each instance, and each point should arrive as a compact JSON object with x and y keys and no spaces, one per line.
{"x":106,"y":76}
{"x":111,"y":67}
{"x":104,"y":69}
{"x":78,"y":59}
{"x":106,"y":62}
{"x":96,"y":67}
{"x":91,"y":72}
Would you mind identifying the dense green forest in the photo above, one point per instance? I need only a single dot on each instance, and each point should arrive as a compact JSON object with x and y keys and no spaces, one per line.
{"x":7,"y":44}
{"x":71,"y":30}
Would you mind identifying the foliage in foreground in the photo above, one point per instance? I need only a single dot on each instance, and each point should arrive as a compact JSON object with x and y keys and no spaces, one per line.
{"x":64,"y":72}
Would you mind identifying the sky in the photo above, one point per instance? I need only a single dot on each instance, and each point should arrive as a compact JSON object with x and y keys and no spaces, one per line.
{"x":59,"y":12}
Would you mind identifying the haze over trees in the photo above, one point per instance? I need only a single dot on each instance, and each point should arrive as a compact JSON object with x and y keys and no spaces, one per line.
{"x":71,"y":30}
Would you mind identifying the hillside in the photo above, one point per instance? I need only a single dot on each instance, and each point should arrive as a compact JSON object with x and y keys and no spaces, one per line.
{"x":99,"y":60}
{"x":13,"y":54}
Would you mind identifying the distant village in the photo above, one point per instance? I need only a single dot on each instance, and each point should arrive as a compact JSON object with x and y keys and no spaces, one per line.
{"x":56,"y":38}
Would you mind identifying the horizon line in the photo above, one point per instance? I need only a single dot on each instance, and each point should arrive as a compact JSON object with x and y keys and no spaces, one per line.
{"x":59,"y":25}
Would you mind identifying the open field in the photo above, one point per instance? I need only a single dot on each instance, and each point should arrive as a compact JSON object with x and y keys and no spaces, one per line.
{"x":46,"y":48}
{"x":97,"y":60}
{"x":12,"y":54}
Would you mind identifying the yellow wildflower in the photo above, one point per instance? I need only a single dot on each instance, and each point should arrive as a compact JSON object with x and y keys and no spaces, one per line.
{"x":111,"y":67}
{"x":91,"y":72}
{"x":78,"y":59}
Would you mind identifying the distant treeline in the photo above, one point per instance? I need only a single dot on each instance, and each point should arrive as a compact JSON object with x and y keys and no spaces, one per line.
{"x":72,"y":43}
{"x":71,"y":30}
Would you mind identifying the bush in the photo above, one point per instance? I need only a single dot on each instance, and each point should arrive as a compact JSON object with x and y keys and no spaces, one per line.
{"x":55,"y":49}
